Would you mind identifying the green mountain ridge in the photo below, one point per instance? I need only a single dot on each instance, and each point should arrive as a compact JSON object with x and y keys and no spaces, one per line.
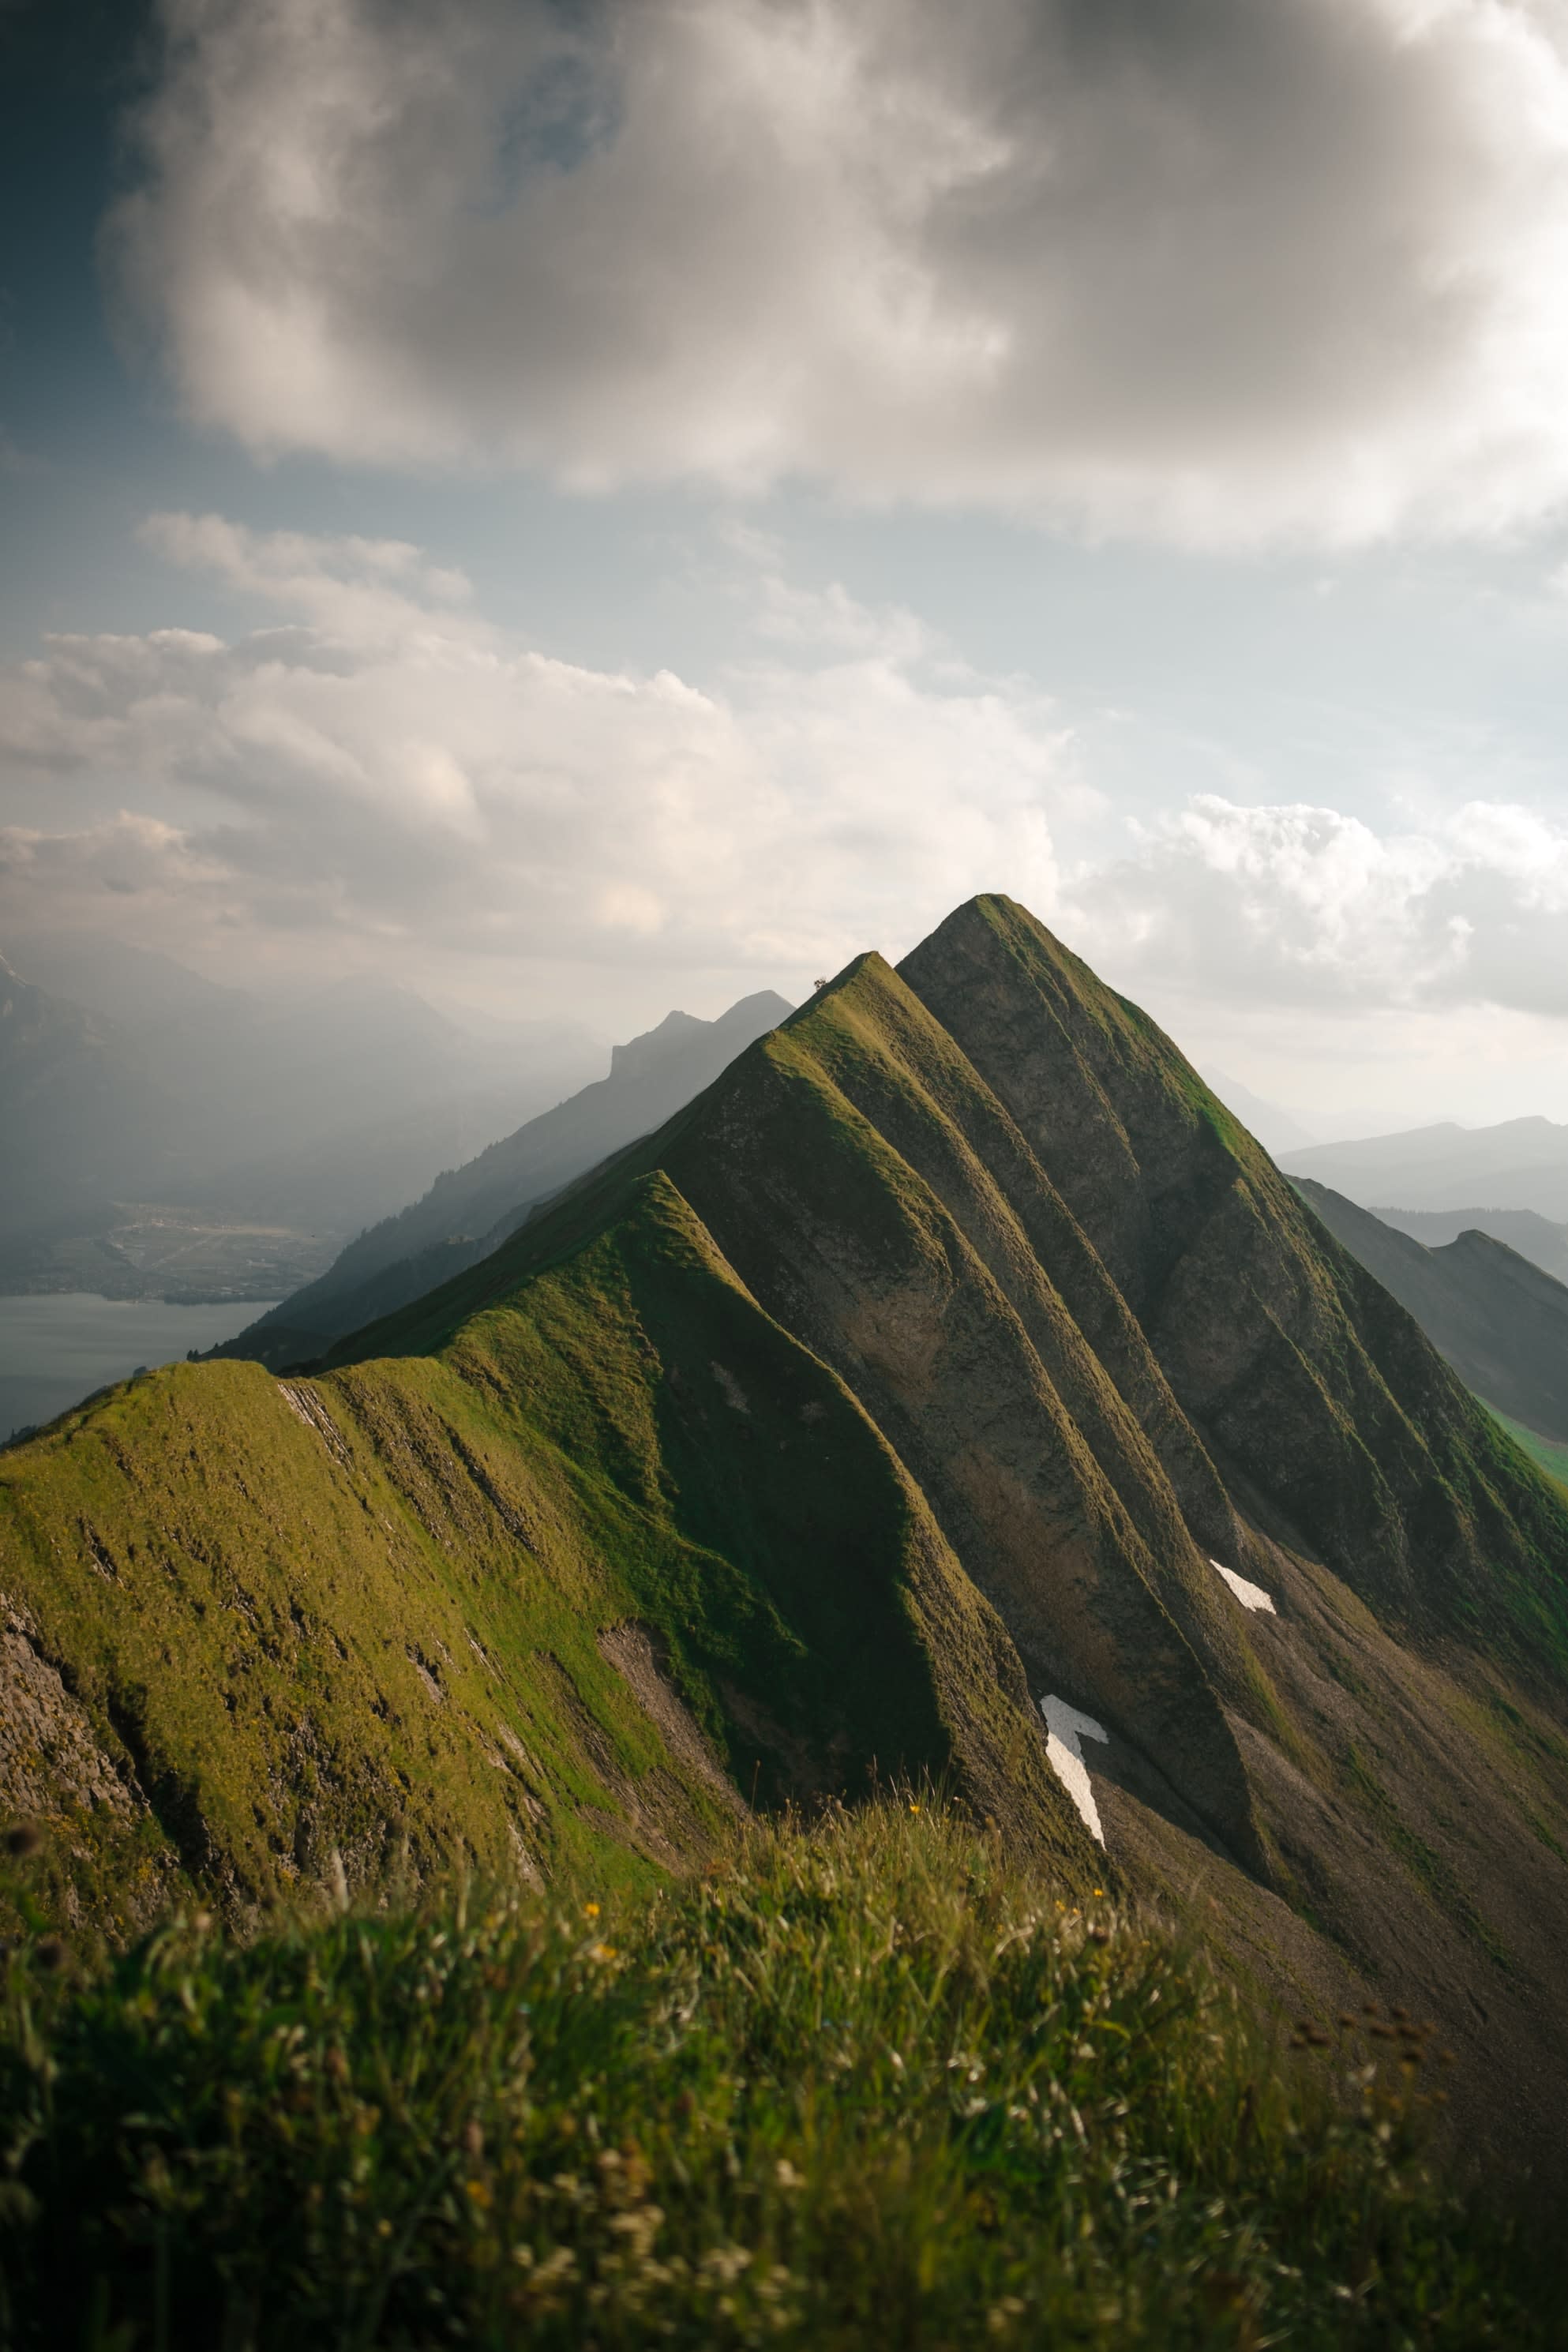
{"x":470,"y":1209}
{"x":953,"y":1385}
{"x":1497,"y":1317}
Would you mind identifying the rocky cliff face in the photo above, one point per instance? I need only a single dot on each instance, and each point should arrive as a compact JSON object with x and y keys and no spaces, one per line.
{"x":953,"y":1388}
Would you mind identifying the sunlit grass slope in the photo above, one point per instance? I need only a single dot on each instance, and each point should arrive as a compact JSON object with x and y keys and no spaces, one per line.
{"x":861,"y":2087}
{"x":373,"y":1617}
{"x":1548,"y":1454}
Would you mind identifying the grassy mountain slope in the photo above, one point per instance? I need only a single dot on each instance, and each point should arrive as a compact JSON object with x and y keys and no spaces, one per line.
{"x":372,"y":1613}
{"x":1546,"y":1452}
{"x":876,"y":1196}
{"x":469,"y":1209}
{"x":1498,"y":1320}
{"x":930,"y":1364}
{"x":1316,"y":1393}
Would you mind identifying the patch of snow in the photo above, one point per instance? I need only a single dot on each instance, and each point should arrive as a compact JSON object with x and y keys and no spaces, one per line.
{"x":1066,"y":1729}
{"x":1251,"y":1596}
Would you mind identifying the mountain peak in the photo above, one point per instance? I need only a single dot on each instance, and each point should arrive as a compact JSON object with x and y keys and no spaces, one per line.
{"x":949,"y":1381}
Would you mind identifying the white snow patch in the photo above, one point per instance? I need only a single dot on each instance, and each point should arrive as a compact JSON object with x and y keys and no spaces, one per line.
{"x":1064,"y":1730}
{"x":1251,"y":1596}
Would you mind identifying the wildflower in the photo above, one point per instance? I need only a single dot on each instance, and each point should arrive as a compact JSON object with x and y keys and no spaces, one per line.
{"x":590,"y":1910}
{"x":602,"y":1951}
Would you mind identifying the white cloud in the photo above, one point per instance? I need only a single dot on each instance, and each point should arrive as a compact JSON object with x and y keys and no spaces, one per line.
{"x":389,"y":768}
{"x":1300,"y":905}
{"x":1201,"y":266}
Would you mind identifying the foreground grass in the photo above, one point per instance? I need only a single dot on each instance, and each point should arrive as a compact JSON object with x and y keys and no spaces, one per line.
{"x":861,"y":2087}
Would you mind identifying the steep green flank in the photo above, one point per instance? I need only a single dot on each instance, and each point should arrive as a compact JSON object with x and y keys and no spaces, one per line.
{"x":1292,"y":1364}
{"x":876,"y":1198}
{"x":501,"y":1606}
{"x":952,"y":1367}
{"x":1548,"y":1454}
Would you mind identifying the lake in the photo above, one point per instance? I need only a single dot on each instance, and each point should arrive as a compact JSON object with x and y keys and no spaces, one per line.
{"x":57,"y":1347}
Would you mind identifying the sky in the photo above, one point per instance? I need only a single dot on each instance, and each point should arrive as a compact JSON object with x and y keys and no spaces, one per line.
{"x":580,"y":507}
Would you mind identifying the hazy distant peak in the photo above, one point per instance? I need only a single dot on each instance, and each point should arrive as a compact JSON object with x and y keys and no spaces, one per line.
{"x":129,"y":984}
{"x":679,"y":1030}
{"x":748,"y":1008}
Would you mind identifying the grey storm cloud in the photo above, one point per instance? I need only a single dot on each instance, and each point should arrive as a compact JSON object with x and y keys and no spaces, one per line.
{"x":1206,"y":268}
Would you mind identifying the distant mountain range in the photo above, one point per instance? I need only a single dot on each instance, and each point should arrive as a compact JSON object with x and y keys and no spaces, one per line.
{"x":79,"y":1104}
{"x":953,"y":1388}
{"x":163,"y":1135}
{"x":1534,"y":1237}
{"x":1522,"y":1164}
{"x":1499,"y":1319}
{"x":468,"y":1211}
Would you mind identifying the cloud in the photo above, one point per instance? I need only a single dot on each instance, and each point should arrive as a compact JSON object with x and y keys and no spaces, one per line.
{"x":1298,"y":906}
{"x":388,"y":768}
{"x":1193,"y":266}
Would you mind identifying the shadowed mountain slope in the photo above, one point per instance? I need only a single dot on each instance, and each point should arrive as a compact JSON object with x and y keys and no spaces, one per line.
{"x":469,"y":1210}
{"x":1545,"y":1245}
{"x":1352,"y":1437}
{"x":1499,"y":1320}
{"x":953,"y":1386}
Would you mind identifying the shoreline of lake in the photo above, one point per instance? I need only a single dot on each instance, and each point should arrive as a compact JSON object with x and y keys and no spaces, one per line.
{"x":59,"y":1346}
